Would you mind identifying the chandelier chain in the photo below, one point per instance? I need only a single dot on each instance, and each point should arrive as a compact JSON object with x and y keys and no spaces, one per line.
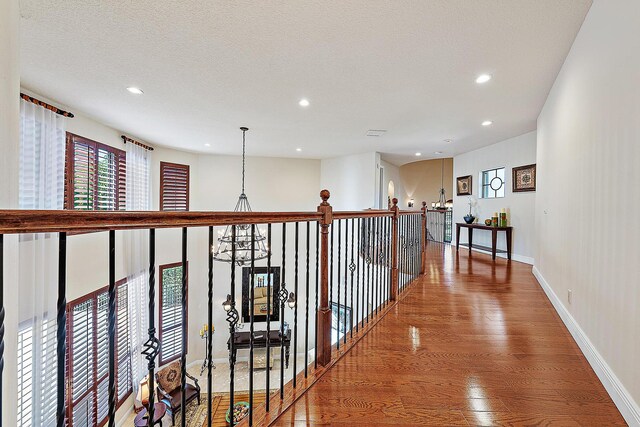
{"x":243,"y":151}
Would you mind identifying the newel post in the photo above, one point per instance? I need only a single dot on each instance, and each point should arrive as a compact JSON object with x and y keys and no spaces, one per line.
{"x":423,"y":240}
{"x":394,"y":251}
{"x":324,"y":311}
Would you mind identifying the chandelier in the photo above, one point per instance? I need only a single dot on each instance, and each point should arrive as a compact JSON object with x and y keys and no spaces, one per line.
{"x":241,"y":242}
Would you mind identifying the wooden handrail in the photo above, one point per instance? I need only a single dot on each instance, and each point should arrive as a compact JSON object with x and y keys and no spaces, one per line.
{"x":49,"y":221}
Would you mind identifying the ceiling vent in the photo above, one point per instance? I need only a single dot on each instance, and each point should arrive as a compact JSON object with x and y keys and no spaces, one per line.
{"x":376,"y":132}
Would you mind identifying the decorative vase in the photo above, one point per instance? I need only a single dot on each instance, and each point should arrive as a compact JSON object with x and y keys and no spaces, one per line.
{"x":487,"y":222}
{"x":469,"y":218}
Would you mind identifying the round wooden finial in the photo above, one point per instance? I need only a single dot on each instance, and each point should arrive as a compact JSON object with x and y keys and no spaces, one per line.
{"x":394,"y":201}
{"x":324,"y":195}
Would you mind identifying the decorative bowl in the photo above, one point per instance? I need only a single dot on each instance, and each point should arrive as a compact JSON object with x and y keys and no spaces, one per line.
{"x":469,"y":219}
{"x":240,"y":410}
{"x":487,"y":222}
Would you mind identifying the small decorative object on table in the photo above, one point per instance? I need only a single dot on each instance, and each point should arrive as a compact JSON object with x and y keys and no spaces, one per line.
{"x":503,"y":218}
{"x":205,"y":336}
{"x":240,"y":411}
{"x":487,"y":222}
{"x":494,"y":219}
{"x":469,"y":218}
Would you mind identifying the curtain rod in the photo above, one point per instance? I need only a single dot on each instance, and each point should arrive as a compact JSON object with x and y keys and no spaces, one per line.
{"x":45,"y":105}
{"x":126,"y":139}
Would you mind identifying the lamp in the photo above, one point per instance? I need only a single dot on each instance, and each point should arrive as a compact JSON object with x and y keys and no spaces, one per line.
{"x":143,"y":392}
{"x":241,"y":243}
{"x":410,"y":204}
{"x":227,"y":304}
{"x":449,"y":204}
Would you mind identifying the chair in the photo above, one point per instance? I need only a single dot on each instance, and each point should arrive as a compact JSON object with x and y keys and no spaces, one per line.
{"x":169,"y":390}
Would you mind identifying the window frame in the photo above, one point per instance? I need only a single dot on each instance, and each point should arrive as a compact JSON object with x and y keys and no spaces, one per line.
{"x":162,"y":331}
{"x":484,"y":186}
{"x":69,"y":404}
{"x":163,"y":166}
{"x":120,"y":179}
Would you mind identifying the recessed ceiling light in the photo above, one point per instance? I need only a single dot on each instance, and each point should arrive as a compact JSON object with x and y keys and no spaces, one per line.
{"x":418,"y":154}
{"x":304,"y":102}
{"x":207,"y":145}
{"x":487,"y":123}
{"x":448,"y":141}
{"x":298,"y":149}
{"x":135,"y":90}
{"x":483,"y":78}
{"x":437,"y":152}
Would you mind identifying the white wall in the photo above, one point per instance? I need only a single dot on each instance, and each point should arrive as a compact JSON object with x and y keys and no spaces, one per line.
{"x":509,"y":153}
{"x":352,"y":181}
{"x":588,"y":196}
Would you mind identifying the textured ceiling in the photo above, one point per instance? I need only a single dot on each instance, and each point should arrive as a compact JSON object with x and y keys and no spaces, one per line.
{"x":209,"y":67}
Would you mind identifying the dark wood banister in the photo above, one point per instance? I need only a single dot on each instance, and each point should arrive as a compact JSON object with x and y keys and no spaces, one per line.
{"x":49,"y":221}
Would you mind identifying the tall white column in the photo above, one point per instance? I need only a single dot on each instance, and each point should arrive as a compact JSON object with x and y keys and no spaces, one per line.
{"x":9,"y":160}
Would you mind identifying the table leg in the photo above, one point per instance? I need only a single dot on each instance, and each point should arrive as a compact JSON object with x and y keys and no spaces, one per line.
{"x":286,"y":351}
{"x":457,"y":237}
{"x":470,"y":239}
{"x":494,"y":242}
{"x":509,"y":243}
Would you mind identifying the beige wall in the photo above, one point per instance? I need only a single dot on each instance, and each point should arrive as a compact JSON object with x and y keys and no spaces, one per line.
{"x":422,"y":181}
{"x":588,"y":197}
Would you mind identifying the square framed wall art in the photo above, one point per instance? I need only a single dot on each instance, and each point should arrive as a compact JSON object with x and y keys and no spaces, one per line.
{"x":524,"y":178}
{"x":463,"y":185}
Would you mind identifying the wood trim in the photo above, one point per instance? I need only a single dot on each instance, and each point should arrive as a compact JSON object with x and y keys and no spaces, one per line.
{"x":50,"y":221}
{"x":47,"y":106}
{"x":370,"y":213}
{"x":126,"y":139}
{"x":161,"y":268}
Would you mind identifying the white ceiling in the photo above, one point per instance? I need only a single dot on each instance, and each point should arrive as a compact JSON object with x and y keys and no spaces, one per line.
{"x":209,"y":67}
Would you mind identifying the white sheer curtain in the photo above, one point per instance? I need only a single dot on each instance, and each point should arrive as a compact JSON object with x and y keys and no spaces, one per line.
{"x":137,"y":257}
{"x":42,"y":147}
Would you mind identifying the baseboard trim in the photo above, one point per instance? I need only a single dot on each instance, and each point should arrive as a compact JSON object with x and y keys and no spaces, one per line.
{"x":626,"y":405}
{"x":514,"y":257}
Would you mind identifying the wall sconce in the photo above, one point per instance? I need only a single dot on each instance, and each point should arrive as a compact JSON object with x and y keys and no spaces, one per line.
{"x":410,"y":203}
{"x":291,"y":301}
{"x":228,"y":304}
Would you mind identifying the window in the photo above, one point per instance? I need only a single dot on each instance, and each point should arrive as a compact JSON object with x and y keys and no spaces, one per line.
{"x":174,"y":187}
{"x":27,"y":373}
{"x":88,"y":356}
{"x":170,"y":312}
{"x":95,"y":175}
{"x":492,"y":183}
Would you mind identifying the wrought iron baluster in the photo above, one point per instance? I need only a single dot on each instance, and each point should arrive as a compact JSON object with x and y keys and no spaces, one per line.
{"x":338,"y":277}
{"x":61,"y":334}
{"x":368,"y":260}
{"x":331,"y":268}
{"x":346,"y":272}
{"x":358,"y":277}
{"x":112,"y":328}
{"x":306,"y":307}
{"x":232,"y":319}
{"x":283,"y":291}
{"x":2,"y":321}
{"x":295,"y":311}
{"x":183,"y":355}
{"x":379,"y":263}
{"x":209,"y":331}
{"x":152,"y":345}
{"x":251,"y":320}
{"x":269,"y":308}
{"x":352,"y":269}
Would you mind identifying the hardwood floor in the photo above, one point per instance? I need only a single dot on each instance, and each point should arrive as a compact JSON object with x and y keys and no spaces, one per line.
{"x":473,"y":342}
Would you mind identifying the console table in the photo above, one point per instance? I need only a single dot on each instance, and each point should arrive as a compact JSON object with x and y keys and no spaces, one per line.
{"x":494,"y":236}
{"x":242,"y":340}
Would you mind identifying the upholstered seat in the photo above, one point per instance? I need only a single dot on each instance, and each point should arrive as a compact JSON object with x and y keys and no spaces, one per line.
{"x":170,"y":391}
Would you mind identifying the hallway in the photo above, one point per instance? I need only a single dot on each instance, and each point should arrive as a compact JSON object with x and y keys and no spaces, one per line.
{"x":471,"y":343}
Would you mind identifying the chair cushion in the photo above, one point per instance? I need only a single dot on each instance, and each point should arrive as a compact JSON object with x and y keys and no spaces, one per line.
{"x":169,"y":377}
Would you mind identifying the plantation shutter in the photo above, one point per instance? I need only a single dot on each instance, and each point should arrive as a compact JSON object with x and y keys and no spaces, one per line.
{"x":82,"y":362}
{"x":170,"y":312}
{"x":174,"y":187}
{"x":123,"y":349}
{"x":96,"y":175}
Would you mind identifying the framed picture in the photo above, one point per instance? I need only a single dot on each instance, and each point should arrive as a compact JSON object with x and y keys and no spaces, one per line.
{"x":463,"y":185}
{"x":524,"y":178}
{"x":261,"y":294}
